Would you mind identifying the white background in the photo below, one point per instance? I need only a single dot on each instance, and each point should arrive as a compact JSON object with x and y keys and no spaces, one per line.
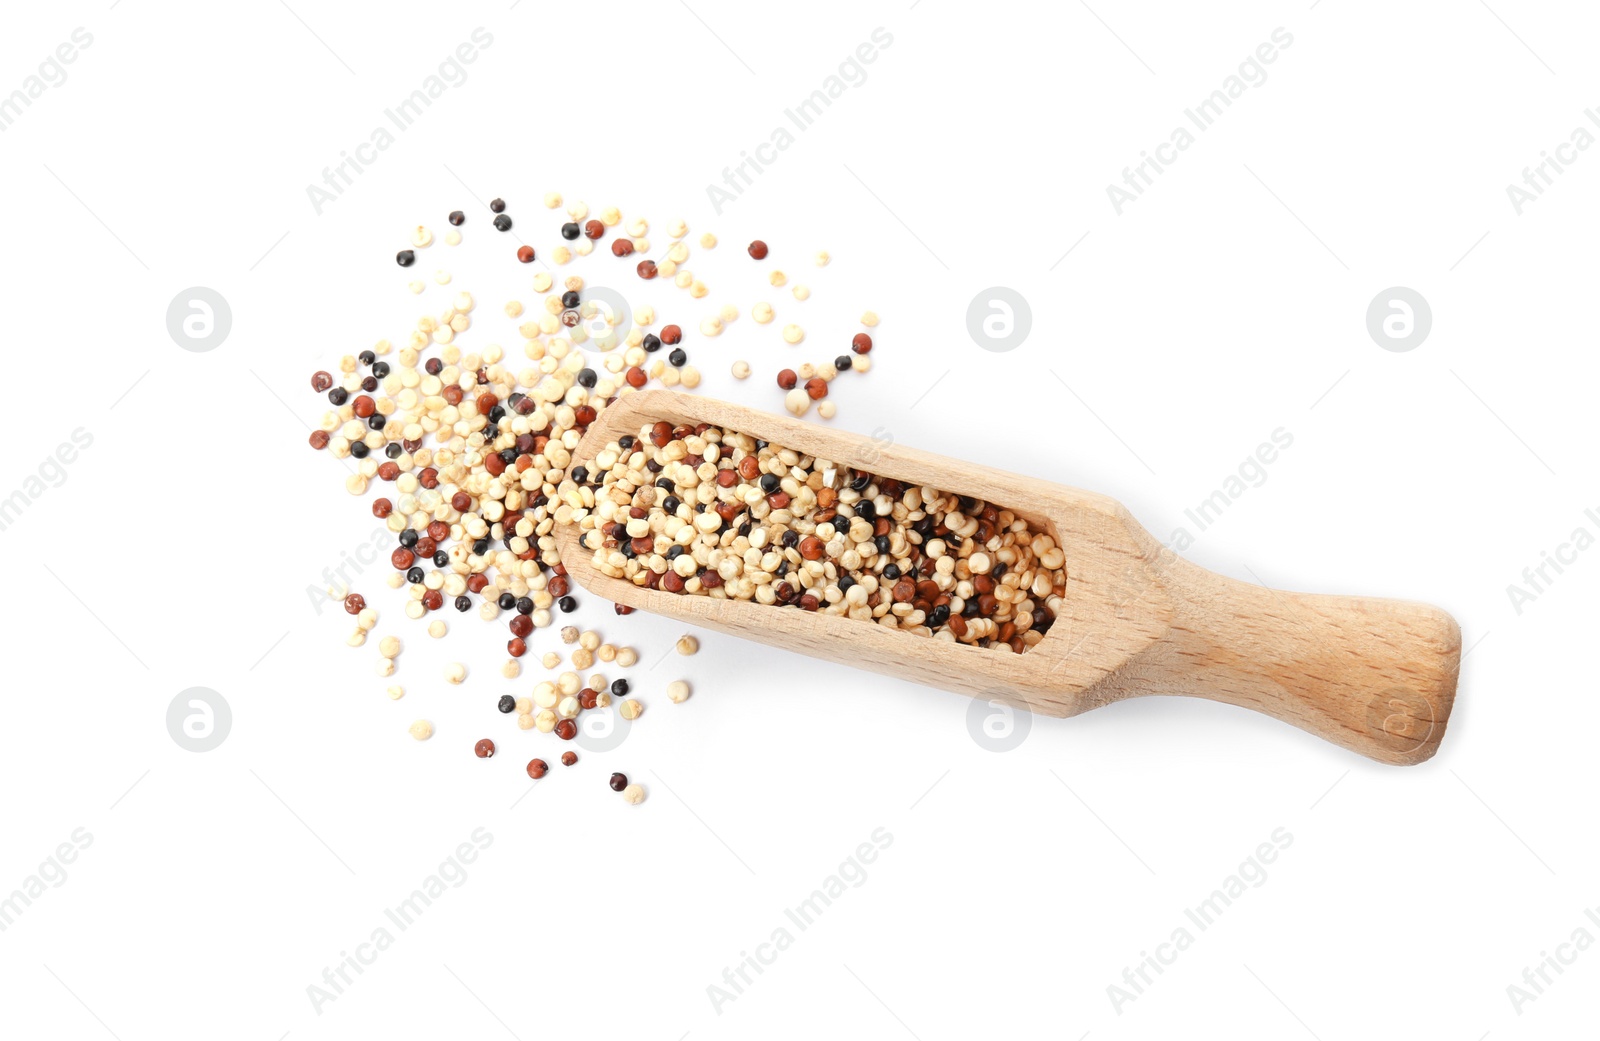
{"x":1227,"y":302}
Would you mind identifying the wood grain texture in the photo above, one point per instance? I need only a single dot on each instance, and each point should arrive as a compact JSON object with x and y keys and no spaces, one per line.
{"x":1375,"y":676}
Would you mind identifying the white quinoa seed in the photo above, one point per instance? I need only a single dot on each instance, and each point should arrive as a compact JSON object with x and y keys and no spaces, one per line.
{"x":823,"y":257}
{"x":761,"y":312}
{"x":801,"y":292}
{"x":741,"y":370}
{"x":396,"y":692}
{"x":827,"y":409}
{"x":422,"y":730}
{"x":869,"y":318}
{"x":793,"y":333}
{"x":389,"y":646}
{"x":630,"y":709}
{"x":708,"y":241}
{"x":678,"y":692}
{"x":455,"y":673}
{"x":687,"y":645}
{"x":633,"y":794}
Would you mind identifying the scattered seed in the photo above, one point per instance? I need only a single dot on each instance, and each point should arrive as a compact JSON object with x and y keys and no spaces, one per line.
{"x":537,"y":768}
{"x":618,"y":782}
{"x":421,"y":730}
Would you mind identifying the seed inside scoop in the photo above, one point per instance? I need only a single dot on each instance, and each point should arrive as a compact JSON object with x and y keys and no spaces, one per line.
{"x":700,"y":511}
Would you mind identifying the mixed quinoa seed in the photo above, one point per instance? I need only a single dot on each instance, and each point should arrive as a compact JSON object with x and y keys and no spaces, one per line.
{"x":478,"y":452}
{"x":700,"y":511}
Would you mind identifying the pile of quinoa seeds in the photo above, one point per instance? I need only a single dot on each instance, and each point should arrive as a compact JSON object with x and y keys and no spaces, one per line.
{"x":470,"y":452}
{"x":708,"y":512}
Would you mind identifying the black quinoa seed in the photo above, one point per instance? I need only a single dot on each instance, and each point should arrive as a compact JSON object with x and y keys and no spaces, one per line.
{"x":457,"y":218}
{"x":570,"y":230}
{"x":405,"y":258}
{"x":502,"y":223}
{"x":497,"y":205}
{"x":507,"y":703}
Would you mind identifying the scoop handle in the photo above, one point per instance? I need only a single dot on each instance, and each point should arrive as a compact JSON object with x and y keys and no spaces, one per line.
{"x":1373,"y":675}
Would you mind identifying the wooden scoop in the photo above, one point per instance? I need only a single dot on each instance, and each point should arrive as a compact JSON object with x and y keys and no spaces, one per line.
{"x":1376,"y":676}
